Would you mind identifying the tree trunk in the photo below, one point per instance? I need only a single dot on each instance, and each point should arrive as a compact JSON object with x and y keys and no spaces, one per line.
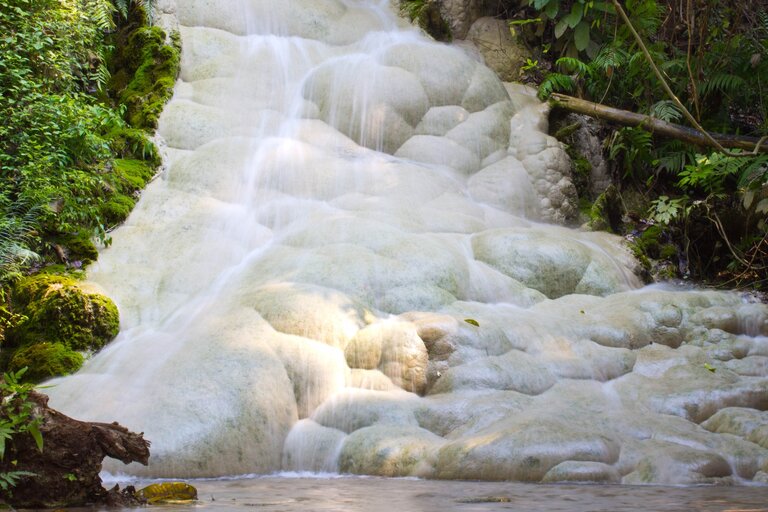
{"x":654,"y":125}
{"x":66,"y":472}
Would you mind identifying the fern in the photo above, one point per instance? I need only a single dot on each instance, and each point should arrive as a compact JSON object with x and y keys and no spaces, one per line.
{"x":722,"y":83}
{"x":674,"y":156}
{"x":666,"y":110}
{"x":633,"y":146}
{"x":574,"y":65}
{"x":754,"y":173}
{"x":610,"y":56}
{"x":103,"y":11}
{"x":414,"y":9}
{"x":16,"y":228}
{"x":556,"y":82}
{"x":102,"y":75}
{"x":121,"y":6}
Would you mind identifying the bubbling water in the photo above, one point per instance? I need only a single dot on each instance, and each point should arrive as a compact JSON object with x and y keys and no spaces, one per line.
{"x":346,"y":267}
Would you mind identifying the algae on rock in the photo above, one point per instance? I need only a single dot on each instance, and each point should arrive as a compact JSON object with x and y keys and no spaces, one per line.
{"x":61,"y":318}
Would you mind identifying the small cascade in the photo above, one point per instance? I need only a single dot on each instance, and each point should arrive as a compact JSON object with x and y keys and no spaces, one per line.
{"x":352,"y":263}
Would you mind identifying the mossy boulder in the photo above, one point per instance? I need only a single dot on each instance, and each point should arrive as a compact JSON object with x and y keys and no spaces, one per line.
{"x":116,"y":209}
{"x":45,"y":360}
{"x":58,"y":309}
{"x":126,"y":179}
{"x":133,"y":143}
{"x":153,"y":66}
{"x":78,"y":246}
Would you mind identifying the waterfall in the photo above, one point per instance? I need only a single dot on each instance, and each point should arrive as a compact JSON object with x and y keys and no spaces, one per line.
{"x":351,"y":263}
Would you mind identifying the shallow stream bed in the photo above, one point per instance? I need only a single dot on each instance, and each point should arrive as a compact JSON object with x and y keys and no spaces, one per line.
{"x":289,"y":493}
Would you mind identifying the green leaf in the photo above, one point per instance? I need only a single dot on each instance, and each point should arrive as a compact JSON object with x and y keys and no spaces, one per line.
{"x":574,"y":17}
{"x":552,"y":9}
{"x":581,"y":36}
{"x":472,"y":321}
{"x":560,"y":28}
{"x":603,"y":7}
{"x":37,"y":435}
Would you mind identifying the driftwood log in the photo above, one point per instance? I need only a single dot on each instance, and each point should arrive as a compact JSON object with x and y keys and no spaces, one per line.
{"x":655,"y":125}
{"x":66,"y":472}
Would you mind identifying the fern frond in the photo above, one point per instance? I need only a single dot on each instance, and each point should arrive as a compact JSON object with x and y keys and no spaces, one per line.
{"x":102,"y":76}
{"x":722,"y":83}
{"x":666,"y":110}
{"x":16,"y":226}
{"x":610,"y":56}
{"x":571,"y":64}
{"x":103,"y":12}
{"x":121,"y":6}
{"x":556,"y":82}
{"x":755,"y":172}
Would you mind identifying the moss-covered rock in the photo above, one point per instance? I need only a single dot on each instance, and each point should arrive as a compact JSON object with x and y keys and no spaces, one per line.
{"x":59,"y":310}
{"x":45,"y":360}
{"x":116,"y":209}
{"x":606,"y":212}
{"x":133,"y":175}
{"x":144,"y":70}
{"x":133,"y":143}
{"x":78,"y":246}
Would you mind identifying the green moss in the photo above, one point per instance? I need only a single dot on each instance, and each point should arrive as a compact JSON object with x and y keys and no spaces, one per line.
{"x":154,"y":66}
{"x":79,"y":247}
{"x":566,"y":131}
{"x":648,"y":241}
{"x":640,"y":256}
{"x":668,"y":252}
{"x":59,"y":310}
{"x":116,"y":209}
{"x":45,"y":360}
{"x":133,"y":143}
{"x":132,"y":175}
{"x":606,"y":212}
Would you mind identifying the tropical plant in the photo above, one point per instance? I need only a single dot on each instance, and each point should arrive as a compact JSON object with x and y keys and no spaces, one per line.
{"x":16,"y":418}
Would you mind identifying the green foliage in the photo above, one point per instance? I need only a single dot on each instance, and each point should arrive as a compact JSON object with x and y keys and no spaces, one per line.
{"x":10,"y":479}
{"x":414,"y":9}
{"x":426,"y":14}
{"x":16,"y":418}
{"x":17,"y":225}
{"x":45,"y":360}
{"x":665,"y":210}
{"x":556,"y":82}
{"x":59,"y":134}
{"x":666,"y":110}
{"x":715,"y":172}
{"x":60,"y":311}
{"x":17,"y":410}
{"x":632,"y":146}
{"x":574,"y":21}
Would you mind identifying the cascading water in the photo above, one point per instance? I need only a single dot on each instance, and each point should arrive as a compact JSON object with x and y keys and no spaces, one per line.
{"x":345,"y":268}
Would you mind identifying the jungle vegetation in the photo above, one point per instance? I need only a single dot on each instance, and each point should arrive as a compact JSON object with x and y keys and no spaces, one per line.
{"x":711,"y":58}
{"x":700,"y":65}
{"x":82,"y":83}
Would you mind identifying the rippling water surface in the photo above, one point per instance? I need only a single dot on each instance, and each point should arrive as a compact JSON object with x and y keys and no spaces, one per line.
{"x":351,"y":494}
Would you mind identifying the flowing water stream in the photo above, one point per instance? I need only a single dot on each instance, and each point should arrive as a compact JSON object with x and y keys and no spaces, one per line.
{"x":352,"y":264}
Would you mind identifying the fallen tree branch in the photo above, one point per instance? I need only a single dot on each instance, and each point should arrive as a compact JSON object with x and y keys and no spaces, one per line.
{"x":66,"y":472}
{"x":657,"y":126}
{"x":711,"y":140}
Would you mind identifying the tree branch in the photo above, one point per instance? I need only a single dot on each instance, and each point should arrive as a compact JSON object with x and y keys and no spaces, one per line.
{"x":657,"y":126}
